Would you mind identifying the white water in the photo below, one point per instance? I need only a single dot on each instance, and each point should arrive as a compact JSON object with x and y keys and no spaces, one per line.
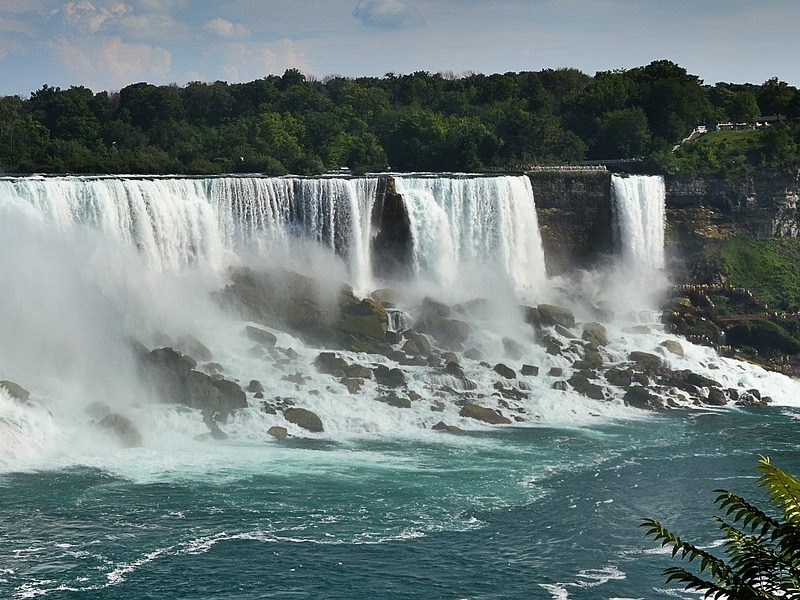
{"x":638,"y":205}
{"x":89,"y":262}
{"x":472,"y":227}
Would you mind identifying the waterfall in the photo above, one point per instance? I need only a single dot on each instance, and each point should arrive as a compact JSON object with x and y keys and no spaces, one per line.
{"x":175,"y":223}
{"x":459,"y":223}
{"x":639,"y":215}
{"x":461,"y":226}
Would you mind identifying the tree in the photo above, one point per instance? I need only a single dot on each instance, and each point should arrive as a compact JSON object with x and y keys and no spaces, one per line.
{"x":743,"y":107}
{"x":763,"y":551}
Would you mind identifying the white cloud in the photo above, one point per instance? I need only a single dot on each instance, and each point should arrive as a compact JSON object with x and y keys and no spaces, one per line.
{"x":387,"y":14}
{"x":109,"y":62}
{"x":226,"y":29}
{"x":90,"y":16}
{"x":246,"y":62}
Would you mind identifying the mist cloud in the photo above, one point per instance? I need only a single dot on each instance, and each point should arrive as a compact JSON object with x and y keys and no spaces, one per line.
{"x":387,"y":14}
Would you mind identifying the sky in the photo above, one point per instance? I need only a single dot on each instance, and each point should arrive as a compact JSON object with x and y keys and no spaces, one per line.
{"x":106,"y":45}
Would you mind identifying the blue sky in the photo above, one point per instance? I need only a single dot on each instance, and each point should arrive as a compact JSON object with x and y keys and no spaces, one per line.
{"x":108,"y":44}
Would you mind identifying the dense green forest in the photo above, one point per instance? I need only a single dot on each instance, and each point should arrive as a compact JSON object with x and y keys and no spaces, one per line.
{"x":421,"y":121}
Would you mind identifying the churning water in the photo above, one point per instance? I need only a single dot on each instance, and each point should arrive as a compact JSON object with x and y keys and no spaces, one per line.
{"x":379,"y":505}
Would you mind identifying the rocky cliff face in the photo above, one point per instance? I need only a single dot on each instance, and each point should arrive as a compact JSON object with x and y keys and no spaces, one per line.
{"x":575,"y":218}
{"x":704,"y":211}
{"x":763,"y":204}
{"x":574,"y":213}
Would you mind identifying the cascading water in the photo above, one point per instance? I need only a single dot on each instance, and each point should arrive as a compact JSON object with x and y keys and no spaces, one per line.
{"x":403,"y":491}
{"x":462,"y":223}
{"x":638,"y":206}
{"x":175,"y":222}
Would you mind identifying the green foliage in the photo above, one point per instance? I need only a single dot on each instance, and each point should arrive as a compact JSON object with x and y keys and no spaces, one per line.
{"x":419,"y":121}
{"x":765,"y":266}
{"x":762,"y":551}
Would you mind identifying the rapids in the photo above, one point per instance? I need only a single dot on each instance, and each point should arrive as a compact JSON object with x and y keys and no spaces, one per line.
{"x":91,"y":263}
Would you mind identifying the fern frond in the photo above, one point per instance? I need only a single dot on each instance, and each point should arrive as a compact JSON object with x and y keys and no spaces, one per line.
{"x":782,"y":489}
{"x":750,"y":515}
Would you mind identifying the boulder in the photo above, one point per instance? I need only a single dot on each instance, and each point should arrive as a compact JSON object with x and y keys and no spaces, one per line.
{"x":481,"y":413}
{"x":505,"y":371}
{"x":255,"y":386}
{"x":359,"y":371}
{"x":121,"y":428}
{"x":640,"y":397}
{"x":673,"y":347}
{"x":393,"y":399}
{"x":279,"y":433}
{"x":645,"y":361}
{"x":716,"y":397}
{"x":262,"y":337}
{"x":619,"y":377}
{"x":442,"y":426}
{"x":530,"y":370}
{"x":595,"y":334}
{"x":190,"y":345}
{"x":303,"y":418}
{"x":330,"y":363}
{"x":581,"y":384}
{"x":555,"y":372}
{"x":353,"y":384}
{"x":366,"y":318}
{"x":15,"y":390}
{"x":434,"y":319}
{"x":389,"y":377}
{"x":552,"y":315}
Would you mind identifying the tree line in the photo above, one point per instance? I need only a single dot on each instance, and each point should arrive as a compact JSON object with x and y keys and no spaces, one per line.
{"x":420,"y":121}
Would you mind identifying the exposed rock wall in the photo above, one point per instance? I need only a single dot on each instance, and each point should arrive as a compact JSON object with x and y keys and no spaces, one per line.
{"x":575,"y":217}
{"x":763,"y":204}
{"x":574,"y":213}
{"x":704,"y":211}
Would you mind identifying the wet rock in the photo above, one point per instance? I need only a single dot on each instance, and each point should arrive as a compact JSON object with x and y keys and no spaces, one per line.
{"x":645,"y":361}
{"x":255,"y":386}
{"x":15,"y":390}
{"x":330,"y":363}
{"x":716,"y":397}
{"x":389,"y":377}
{"x":121,"y":428}
{"x":353,"y":384}
{"x":453,"y":368}
{"x":581,"y":384}
{"x":442,"y":426}
{"x":262,"y":337}
{"x":359,"y":371}
{"x":278,"y":432}
{"x":473,"y":354}
{"x":673,"y":347}
{"x":595,"y":334}
{"x":592,"y":359}
{"x":531,"y":316}
{"x":552,"y":315}
{"x":560,"y":385}
{"x":435,"y":320}
{"x":304,"y":418}
{"x":505,"y":371}
{"x":190,"y":345}
{"x":619,"y":377}
{"x":640,"y":397}
{"x":394,"y":400}
{"x":555,"y":372}
{"x":481,"y":413}
{"x":530,"y":370}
